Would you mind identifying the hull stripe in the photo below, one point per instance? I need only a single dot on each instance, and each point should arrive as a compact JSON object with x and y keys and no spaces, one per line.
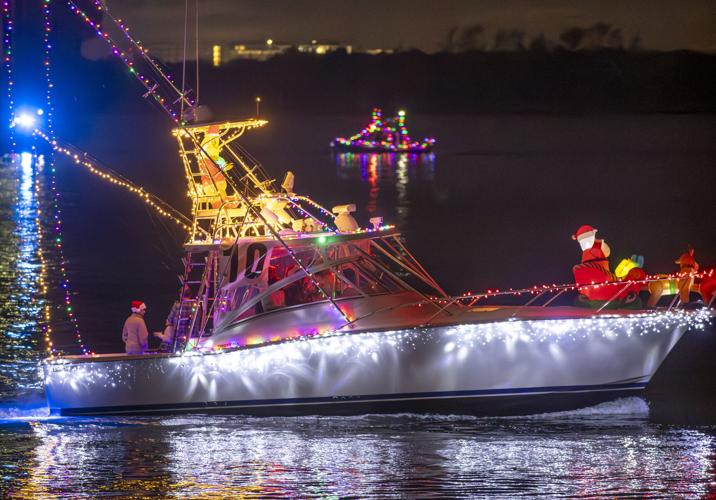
{"x":258,"y":403}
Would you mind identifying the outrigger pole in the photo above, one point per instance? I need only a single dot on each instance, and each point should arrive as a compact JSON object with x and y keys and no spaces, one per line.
{"x":92,"y":164}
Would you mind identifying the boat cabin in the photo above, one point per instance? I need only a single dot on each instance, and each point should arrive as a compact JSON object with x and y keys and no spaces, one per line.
{"x":262,"y":289}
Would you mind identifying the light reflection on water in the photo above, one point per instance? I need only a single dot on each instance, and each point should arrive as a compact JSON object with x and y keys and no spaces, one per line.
{"x":580,"y":453}
{"x":20,"y":306}
{"x":386,"y":170}
{"x":588,"y":454}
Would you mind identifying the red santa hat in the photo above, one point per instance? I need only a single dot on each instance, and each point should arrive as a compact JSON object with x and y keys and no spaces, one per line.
{"x":138,"y":306}
{"x":583,"y":231}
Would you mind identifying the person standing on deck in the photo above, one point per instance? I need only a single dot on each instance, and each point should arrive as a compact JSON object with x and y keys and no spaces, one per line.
{"x":134,"y":333}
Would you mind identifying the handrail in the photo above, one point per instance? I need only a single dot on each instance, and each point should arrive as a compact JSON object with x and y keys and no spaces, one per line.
{"x":621,"y":290}
{"x":559,"y":289}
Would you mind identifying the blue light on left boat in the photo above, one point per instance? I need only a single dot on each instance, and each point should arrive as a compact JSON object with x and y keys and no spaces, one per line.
{"x":24,"y":121}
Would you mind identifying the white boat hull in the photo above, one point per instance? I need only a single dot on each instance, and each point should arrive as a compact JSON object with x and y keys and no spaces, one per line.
{"x":506,"y":367}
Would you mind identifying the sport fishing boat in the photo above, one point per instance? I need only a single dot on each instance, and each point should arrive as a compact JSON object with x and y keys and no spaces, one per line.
{"x":289,"y":308}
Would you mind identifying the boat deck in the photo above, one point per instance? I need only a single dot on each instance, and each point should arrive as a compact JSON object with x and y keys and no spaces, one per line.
{"x":452,"y":316}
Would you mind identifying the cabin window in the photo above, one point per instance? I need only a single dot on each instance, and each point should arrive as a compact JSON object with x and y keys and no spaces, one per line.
{"x":343,"y":270}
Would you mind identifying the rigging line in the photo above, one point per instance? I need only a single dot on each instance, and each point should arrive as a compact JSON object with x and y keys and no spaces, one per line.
{"x":160,"y":241}
{"x":152,"y":63}
{"x":93,"y":165}
{"x":196,"y":48}
{"x":183,"y":64}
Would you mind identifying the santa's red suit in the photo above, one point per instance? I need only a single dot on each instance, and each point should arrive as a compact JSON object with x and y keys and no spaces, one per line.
{"x":597,"y":253}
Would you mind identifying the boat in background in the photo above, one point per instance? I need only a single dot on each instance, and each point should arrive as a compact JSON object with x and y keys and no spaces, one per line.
{"x":289,"y":308}
{"x":383,"y":136}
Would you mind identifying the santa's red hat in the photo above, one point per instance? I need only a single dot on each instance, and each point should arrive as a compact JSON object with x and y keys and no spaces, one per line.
{"x":583,"y":230}
{"x":138,"y":306}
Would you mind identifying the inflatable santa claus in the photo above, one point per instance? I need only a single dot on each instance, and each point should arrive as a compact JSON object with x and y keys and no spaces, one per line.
{"x":593,"y":250}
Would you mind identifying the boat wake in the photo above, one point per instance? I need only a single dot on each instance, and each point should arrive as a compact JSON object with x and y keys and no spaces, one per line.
{"x":622,"y":407}
{"x":632,"y":407}
{"x":24,"y":413}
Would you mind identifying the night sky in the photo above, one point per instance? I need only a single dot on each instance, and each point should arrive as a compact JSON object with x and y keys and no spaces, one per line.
{"x":422,"y":24}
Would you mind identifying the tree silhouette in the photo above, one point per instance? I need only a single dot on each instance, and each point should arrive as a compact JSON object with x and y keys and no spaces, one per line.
{"x":509,"y":40}
{"x":572,"y":38}
{"x":635,"y":43}
{"x":471,"y":38}
{"x":615,"y":39}
{"x":539,"y":44}
{"x":451,"y":40}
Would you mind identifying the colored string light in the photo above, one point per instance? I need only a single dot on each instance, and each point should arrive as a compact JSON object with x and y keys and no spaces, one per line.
{"x":551,"y":288}
{"x":150,"y":85}
{"x":102,"y":7}
{"x":7,"y":29}
{"x":55,"y":221}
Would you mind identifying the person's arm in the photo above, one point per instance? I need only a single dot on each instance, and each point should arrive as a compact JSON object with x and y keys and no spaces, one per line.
{"x":125,"y":333}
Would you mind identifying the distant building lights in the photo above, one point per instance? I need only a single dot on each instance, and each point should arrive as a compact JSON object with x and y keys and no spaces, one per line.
{"x":216,"y":55}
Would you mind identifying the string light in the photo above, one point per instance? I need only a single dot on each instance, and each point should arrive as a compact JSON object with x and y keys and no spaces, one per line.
{"x":7,"y":29}
{"x":102,"y":7}
{"x":455,"y":346}
{"x":151,"y":200}
{"x":552,"y":288}
{"x":54,"y":220}
{"x":126,"y":58}
{"x":384,"y":135}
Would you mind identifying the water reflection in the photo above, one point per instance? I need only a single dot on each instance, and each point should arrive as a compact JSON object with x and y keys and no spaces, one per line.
{"x":386,"y":170}
{"x":19,"y":275}
{"x":370,"y":456}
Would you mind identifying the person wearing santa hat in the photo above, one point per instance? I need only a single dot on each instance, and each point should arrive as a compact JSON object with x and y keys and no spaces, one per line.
{"x":134,"y":333}
{"x":593,"y":250}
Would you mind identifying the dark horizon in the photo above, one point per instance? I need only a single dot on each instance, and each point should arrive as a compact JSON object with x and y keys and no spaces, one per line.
{"x":660,"y":25}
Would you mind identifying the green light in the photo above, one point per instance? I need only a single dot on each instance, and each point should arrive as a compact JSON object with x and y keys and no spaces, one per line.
{"x":322,"y":240}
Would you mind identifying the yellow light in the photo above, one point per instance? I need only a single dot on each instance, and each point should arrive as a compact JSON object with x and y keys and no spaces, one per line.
{"x":109,"y":177}
{"x":216,"y":55}
{"x":269,"y":42}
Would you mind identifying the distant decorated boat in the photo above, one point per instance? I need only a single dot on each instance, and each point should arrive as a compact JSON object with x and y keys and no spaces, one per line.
{"x":383,"y":136}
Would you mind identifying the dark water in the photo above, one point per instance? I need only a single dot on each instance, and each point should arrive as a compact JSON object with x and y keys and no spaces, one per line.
{"x":495,"y":206}
{"x":608,"y":451}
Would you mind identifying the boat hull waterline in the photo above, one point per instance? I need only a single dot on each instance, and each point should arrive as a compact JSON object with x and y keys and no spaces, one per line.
{"x":508,"y":367}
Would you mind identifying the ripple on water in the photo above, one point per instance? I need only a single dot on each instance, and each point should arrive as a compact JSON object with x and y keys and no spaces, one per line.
{"x":608,"y":450}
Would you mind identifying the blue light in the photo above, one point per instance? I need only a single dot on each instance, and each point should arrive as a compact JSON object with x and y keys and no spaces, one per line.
{"x":24,"y":121}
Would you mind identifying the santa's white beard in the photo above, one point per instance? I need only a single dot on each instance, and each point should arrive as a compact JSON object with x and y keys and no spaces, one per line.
{"x":586,"y":242}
